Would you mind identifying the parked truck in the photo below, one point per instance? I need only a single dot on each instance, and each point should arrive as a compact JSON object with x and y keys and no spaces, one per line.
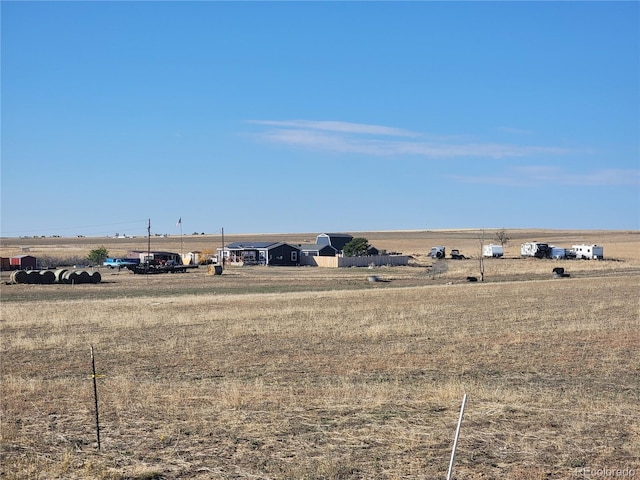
{"x":456,"y":255}
{"x":438,"y":252}
{"x":120,"y":262}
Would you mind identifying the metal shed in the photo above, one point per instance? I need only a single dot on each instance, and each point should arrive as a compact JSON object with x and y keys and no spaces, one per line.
{"x":336,"y":240}
{"x":23,"y":262}
{"x":5,"y":263}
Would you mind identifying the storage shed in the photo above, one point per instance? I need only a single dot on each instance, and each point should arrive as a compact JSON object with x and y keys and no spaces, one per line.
{"x":23,"y":262}
{"x":336,"y":240}
{"x":191,"y":258}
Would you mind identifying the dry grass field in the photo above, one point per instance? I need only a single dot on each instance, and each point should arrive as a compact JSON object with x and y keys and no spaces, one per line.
{"x":310,"y":373}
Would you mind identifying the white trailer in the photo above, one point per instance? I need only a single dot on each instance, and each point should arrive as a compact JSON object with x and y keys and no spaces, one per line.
{"x":590,"y":252}
{"x":492,"y":250}
{"x":534,"y":249}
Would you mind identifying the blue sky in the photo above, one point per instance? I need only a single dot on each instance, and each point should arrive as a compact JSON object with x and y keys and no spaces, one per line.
{"x":265,"y":117}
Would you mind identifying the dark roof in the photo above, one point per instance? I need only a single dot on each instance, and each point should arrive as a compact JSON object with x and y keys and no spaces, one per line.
{"x":337,"y":235}
{"x":249,"y":245}
{"x":154,"y":252}
{"x":336,"y":240}
{"x":314,"y":246}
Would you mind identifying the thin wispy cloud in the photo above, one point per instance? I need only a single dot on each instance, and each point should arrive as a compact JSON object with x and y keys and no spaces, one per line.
{"x":379,"y":140}
{"x":334,"y":126}
{"x":535,"y":176}
{"x":515,"y":131}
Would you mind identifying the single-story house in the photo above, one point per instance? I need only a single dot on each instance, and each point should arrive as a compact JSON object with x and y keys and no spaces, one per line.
{"x":260,"y":253}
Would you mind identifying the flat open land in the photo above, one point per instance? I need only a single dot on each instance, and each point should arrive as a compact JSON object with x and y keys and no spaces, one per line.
{"x":311,"y":373}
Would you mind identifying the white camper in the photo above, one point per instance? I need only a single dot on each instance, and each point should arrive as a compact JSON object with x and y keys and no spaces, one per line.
{"x":492,"y":251}
{"x":590,"y":252}
{"x":534,"y":249}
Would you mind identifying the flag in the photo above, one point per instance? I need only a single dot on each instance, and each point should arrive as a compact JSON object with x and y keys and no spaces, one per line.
{"x":179,"y":222}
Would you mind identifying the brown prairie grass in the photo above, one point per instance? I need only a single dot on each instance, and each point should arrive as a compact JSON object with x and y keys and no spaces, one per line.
{"x":317,"y":374}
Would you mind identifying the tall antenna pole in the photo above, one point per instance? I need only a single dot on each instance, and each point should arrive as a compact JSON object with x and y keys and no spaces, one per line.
{"x":148,"y":245}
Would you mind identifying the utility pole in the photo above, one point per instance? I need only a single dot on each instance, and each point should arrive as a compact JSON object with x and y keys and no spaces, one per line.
{"x":148,"y":246}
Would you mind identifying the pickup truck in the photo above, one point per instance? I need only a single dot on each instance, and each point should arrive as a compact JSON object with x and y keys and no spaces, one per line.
{"x":121,"y":262}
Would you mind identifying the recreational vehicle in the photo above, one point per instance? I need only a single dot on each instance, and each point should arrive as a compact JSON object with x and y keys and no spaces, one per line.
{"x":534,"y":249}
{"x":590,"y":252}
{"x":492,"y":251}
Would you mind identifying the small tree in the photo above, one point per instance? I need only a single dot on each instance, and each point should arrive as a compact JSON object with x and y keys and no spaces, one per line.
{"x":98,"y":255}
{"x":502,"y":237}
{"x":357,"y":247}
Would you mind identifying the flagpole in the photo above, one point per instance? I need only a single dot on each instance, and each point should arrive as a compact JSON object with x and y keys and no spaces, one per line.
{"x":181,"y":249}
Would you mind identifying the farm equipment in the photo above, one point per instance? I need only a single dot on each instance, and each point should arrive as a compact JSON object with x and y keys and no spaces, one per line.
{"x":153,"y":268}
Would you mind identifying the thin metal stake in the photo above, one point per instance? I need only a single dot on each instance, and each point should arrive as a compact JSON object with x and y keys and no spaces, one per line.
{"x":455,"y":442}
{"x":95,"y":395}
